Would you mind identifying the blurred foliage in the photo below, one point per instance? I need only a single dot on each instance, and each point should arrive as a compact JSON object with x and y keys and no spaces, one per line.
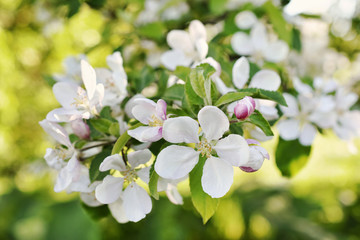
{"x":321,"y":202}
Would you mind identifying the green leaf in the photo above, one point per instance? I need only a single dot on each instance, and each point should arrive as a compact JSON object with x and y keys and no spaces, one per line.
{"x":192,"y":97}
{"x":94,"y":172}
{"x":155,"y":30}
{"x":182,"y":72}
{"x":203,"y":203}
{"x":154,"y":178}
{"x":258,"y":119}
{"x":236,"y":128}
{"x":296,"y":40}
{"x":80,"y":143}
{"x":101,"y":124}
{"x":145,"y":79}
{"x":231,"y":97}
{"x":218,"y":7}
{"x":50,"y":80}
{"x":96,"y":213}
{"x":201,"y":82}
{"x":114,"y":129}
{"x":122,"y":140}
{"x":281,"y":27}
{"x":106,"y":113}
{"x":291,"y":157}
{"x":265,"y":94}
{"x":174,"y":93}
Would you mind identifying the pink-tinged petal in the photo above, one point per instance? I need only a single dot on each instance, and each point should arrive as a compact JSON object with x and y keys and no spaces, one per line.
{"x":233,"y":149}
{"x":139,"y":157}
{"x":80,"y":128}
{"x":66,"y":93}
{"x":64,"y":115}
{"x":241,"y":72}
{"x":117,"y":211}
{"x":136,"y":202}
{"x":241,"y":44}
{"x":202,"y":48}
{"x":180,"y":40}
{"x":255,"y":161}
{"x":161,"y":109}
{"x":263,"y":151}
{"x":109,"y":190}
{"x":214,"y":123}
{"x":173,"y":58}
{"x":144,"y":110}
{"x":289,"y":129}
{"x":244,"y":108}
{"x":217,"y":177}
{"x":113,"y":162}
{"x":266,"y":79}
{"x":307,"y":134}
{"x":197,"y":30}
{"x":56,"y":131}
{"x":292,"y":110}
{"x":252,"y":142}
{"x":130,"y":104}
{"x":146,"y":134}
{"x":88,"y":76}
{"x":245,"y":19}
{"x":181,"y":129}
{"x":259,"y":37}
{"x":175,"y":162}
{"x":276,"y":51}
{"x":144,"y":174}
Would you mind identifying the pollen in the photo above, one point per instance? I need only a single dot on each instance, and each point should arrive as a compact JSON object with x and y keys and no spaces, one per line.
{"x":155,"y":121}
{"x":205,"y":148}
{"x":129,"y":175}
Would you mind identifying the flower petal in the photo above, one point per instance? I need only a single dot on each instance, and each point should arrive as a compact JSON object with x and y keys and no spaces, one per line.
{"x":217,"y":177}
{"x":66,"y":93}
{"x":181,"y":129}
{"x":109,"y":190}
{"x":144,"y":110}
{"x":289,"y":129}
{"x":175,"y":162}
{"x":173,"y":58}
{"x":65,"y":115}
{"x":179,"y":39}
{"x":146,"y":134}
{"x":197,"y":30}
{"x":139,"y":157}
{"x":292,"y":110}
{"x":202,"y":48}
{"x":266,"y":79}
{"x":113,"y":162}
{"x":259,"y":37}
{"x":56,"y":131}
{"x":161,"y":109}
{"x":307,"y":134}
{"x":245,"y":19}
{"x":88,"y":76}
{"x":241,"y":44}
{"x":137,"y":202}
{"x":117,"y":211}
{"x":241,"y":72}
{"x":144,"y":174}
{"x":276,"y":51}
{"x":214,"y":123}
{"x":233,"y":149}
{"x":255,"y":161}
{"x":130,"y":104}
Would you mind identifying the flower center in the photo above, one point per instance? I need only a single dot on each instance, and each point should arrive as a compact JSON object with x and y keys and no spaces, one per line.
{"x":129,"y":175}
{"x":81,"y":101}
{"x":155,"y":121}
{"x":204,"y":147}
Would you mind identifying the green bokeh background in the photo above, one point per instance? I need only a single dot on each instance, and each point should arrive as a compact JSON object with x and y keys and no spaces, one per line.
{"x":321,"y":202}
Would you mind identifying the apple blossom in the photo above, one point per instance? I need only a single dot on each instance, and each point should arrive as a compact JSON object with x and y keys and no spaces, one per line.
{"x":132,"y":203}
{"x":244,"y":108}
{"x":153,"y":115}
{"x":175,"y":162}
{"x":256,"y":158}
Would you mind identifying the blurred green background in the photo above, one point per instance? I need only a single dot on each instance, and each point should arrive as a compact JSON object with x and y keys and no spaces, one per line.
{"x":321,"y":202}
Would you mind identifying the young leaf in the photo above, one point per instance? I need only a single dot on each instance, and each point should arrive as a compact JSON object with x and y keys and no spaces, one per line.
{"x":154,"y":178}
{"x":182,"y":72}
{"x":106,"y":113}
{"x":114,"y":129}
{"x":291,"y":157}
{"x":232,"y":97}
{"x":258,"y":119}
{"x":203,"y":203}
{"x":265,"y":94}
{"x":155,"y":30}
{"x":94,"y":172}
{"x":175,"y":92}
{"x":192,"y":97}
{"x":101,"y":124}
{"x":197,"y":81}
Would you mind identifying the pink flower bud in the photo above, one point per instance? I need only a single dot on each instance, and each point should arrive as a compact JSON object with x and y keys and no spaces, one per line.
{"x":80,"y":129}
{"x":257,"y":156}
{"x":244,"y":108}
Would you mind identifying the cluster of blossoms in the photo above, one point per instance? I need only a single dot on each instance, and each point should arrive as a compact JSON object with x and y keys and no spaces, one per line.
{"x":119,"y":148}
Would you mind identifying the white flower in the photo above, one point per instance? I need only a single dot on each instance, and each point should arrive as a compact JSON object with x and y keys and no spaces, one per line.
{"x":170,"y":188}
{"x":89,"y":197}
{"x":72,"y":70}
{"x":152,"y":114}
{"x":257,"y":156}
{"x":132,"y":203}
{"x":296,"y":123}
{"x":258,"y":46}
{"x":77,"y":102}
{"x":187,"y":47}
{"x":245,"y":19}
{"x":175,"y":161}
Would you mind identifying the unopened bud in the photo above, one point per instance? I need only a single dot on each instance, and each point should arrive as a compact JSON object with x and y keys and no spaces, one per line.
{"x":257,"y":156}
{"x":80,"y":129}
{"x":244,"y":108}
